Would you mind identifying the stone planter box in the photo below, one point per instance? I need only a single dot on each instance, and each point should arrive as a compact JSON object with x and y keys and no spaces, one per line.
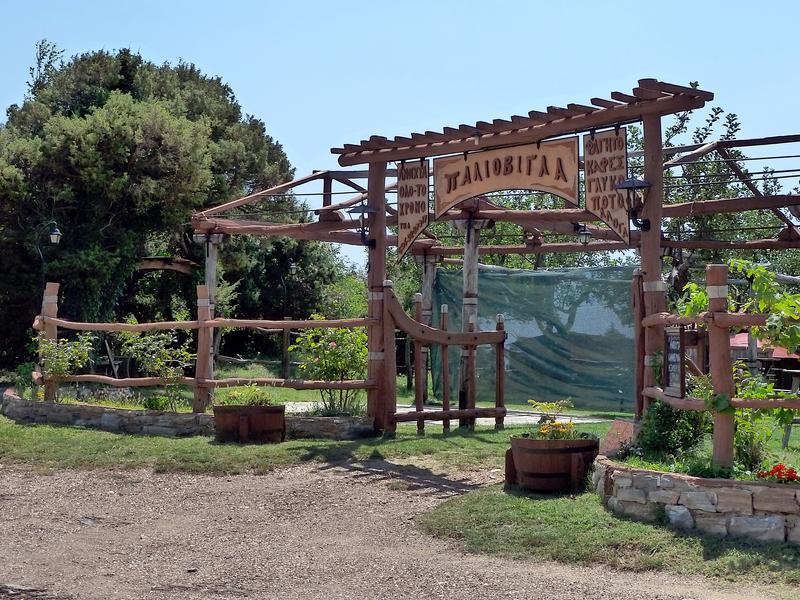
{"x":758,"y":510}
{"x":153,"y":422}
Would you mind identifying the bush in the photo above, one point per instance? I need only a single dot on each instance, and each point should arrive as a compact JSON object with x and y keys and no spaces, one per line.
{"x":334,"y":355}
{"x":23,"y":378}
{"x":250,"y":395}
{"x":61,"y":358}
{"x":668,"y":431}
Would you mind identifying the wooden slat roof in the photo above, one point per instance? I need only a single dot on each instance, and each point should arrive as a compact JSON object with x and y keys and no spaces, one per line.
{"x":649,"y":97}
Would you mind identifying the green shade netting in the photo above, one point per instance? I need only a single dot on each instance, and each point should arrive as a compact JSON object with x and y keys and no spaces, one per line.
{"x":570,"y":335}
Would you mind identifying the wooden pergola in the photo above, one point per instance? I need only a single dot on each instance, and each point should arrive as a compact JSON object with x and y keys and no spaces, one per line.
{"x":647,"y":103}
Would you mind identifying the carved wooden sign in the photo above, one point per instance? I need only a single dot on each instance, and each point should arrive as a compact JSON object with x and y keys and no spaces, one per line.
{"x":605,"y":164}
{"x":547,"y":167}
{"x":674,"y":369}
{"x":412,"y":203}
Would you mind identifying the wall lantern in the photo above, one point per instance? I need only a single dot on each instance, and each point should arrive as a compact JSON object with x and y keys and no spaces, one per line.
{"x":361,"y":210}
{"x":636,"y":193}
{"x":584,"y":235}
{"x":292,"y":268}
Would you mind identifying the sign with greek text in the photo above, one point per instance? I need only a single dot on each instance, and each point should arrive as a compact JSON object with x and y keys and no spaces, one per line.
{"x":547,"y":167}
{"x":605,"y":164}
{"x":412,"y":203}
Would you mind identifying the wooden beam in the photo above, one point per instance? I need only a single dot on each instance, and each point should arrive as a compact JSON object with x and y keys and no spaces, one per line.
{"x":730,"y":205}
{"x":255,"y":197}
{"x":621,"y":114}
{"x":441,"y":415}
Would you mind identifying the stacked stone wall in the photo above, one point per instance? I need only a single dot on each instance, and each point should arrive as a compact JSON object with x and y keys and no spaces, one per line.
{"x":758,"y":510}
{"x":153,"y":422}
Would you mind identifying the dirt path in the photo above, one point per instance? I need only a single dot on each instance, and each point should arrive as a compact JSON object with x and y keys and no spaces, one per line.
{"x":308,"y":532}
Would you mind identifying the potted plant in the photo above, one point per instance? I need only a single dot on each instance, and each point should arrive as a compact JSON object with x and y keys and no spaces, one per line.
{"x":250,"y":415}
{"x":553,"y":456}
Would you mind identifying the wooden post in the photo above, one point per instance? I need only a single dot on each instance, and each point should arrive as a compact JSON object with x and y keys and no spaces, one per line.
{"x":500,"y":374}
{"x":203,"y":362}
{"x":720,"y":364}
{"x":327,"y":196}
{"x":50,"y":309}
{"x":287,"y":340}
{"x":469,"y":308}
{"x":445,"y":379}
{"x":654,"y":288}
{"x":471,"y":375}
{"x":407,"y":362}
{"x":419,"y":381}
{"x":390,"y":367}
{"x":376,"y":273}
{"x":638,"y":343}
{"x":428,"y":279}
{"x":212,"y":242}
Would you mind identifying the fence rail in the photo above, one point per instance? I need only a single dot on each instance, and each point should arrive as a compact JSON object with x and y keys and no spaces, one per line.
{"x":49,"y":323}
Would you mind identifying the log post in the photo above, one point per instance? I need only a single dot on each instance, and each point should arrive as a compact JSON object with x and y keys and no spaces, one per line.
{"x":500,"y":374}
{"x":212,"y":243}
{"x":419,"y":381}
{"x":471,"y":375}
{"x":407,"y":362}
{"x":428,"y":279}
{"x":720,"y":364}
{"x":653,"y":286}
{"x":469,"y":308}
{"x":376,"y":273}
{"x":50,"y":309}
{"x":638,"y":343}
{"x":203,"y":361}
{"x":286,"y":342}
{"x":445,"y":379}
{"x":390,"y":367}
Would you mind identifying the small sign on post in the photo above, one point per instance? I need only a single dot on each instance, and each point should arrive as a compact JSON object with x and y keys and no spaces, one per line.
{"x":605,"y":164}
{"x":412,"y":203}
{"x":674,"y":369}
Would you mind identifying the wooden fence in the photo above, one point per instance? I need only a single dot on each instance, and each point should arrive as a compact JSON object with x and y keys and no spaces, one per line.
{"x":48,"y":323}
{"x":719,"y":323}
{"x":425,"y":335}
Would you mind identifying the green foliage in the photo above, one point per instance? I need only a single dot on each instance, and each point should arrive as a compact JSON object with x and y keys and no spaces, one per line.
{"x":549,"y":410}
{"x":768,"y":296}
{"x":119,"y":152}
{"x":669,"y":431}
{"x":694,"y":300}
{"x":345,"y":297}
{"x":753,"y":432}
{"x":334,"y":355}
{"x":160,"y":354}
{"x":63,"y":357}
{"x":250,"y":395}
{"x":23,"y":377}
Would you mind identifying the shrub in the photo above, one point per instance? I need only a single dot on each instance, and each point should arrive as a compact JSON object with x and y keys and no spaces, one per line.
{"x":159,"y":353}
{"x":23,"y":378}
{"x":250,"y":395}
{"x":334,"y":355}
{"x":61,"y":358}
{"x":668,"y":431}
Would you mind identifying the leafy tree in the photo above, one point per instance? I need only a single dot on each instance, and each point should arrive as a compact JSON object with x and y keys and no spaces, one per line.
{"x":119,"y":152}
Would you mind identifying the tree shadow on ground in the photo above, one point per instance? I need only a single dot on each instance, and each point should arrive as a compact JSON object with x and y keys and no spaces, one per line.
{"x":375,"y":467}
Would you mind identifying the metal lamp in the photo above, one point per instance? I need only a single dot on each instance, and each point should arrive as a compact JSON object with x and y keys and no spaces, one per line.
{"x":584,"y":235}
{"x":361,"y":210}
{"x":55,"y":234}
{"x":636,"y":193}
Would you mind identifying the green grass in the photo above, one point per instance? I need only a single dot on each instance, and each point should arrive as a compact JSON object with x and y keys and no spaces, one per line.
{"x":579,"y":530}
{"x":56,"y":447}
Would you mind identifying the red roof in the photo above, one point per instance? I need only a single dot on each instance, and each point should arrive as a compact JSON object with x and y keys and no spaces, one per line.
{"x":740,"y":341}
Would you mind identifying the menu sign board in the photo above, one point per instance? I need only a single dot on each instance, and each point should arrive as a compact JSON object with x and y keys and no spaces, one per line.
{"x":412,"y":203}
{"x":674,"y":369}
{"x":605,"y":164}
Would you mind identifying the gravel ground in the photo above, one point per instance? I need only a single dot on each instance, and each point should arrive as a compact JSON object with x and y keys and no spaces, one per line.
{"x":307,"y":532}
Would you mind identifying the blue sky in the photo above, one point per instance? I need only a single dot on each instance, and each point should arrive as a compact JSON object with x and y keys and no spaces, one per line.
{"x":321,"y":74}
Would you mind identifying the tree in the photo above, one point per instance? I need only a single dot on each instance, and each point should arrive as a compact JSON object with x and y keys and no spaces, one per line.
{"x":119,"y":152}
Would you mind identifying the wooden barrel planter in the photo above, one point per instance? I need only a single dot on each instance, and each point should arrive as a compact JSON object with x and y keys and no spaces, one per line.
{"x":549,"y":465}
{"x":243,"y":424}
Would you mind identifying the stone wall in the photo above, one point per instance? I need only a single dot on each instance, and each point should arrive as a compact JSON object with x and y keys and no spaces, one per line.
{"x":153,"y":422}
{"x":759,"y":510}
